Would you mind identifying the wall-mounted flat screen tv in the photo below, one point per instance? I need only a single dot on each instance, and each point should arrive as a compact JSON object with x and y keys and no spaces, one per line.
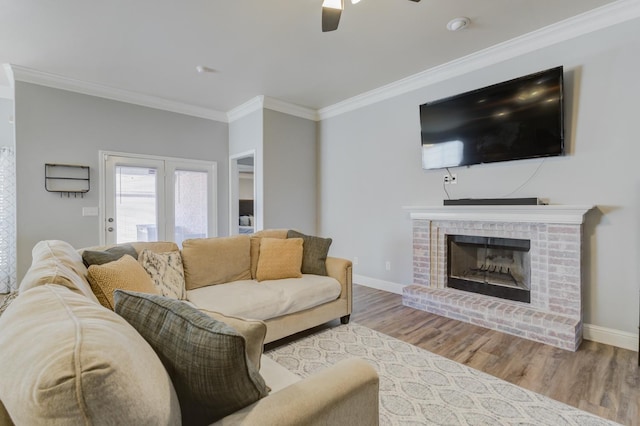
{"x":517,"y":119}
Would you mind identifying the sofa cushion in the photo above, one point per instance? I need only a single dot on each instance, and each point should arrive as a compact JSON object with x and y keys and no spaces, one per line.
{"x":267,"y":299}
{"x":100,"y":257}
{"x":205,"y":358}
{"x":166,"y":272}
{"x":125,"y":273}
{"x":314,"y":253}
{"x":279,"y":258}
{"x":155,"y":246}
{"x":57,"y":262}
{"x":66,"y":360}
{"x":255,"y":245}
{"x":209,"y":261}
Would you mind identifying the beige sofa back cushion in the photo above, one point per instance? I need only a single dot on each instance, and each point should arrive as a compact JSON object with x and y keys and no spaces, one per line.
{"x":155,"y":246}
{"x":66,"y":360}
{"x":209,"y":261}
{"x":57,"y":262}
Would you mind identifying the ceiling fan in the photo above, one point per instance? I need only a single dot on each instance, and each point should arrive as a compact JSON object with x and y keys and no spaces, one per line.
{"x":331,"y":11}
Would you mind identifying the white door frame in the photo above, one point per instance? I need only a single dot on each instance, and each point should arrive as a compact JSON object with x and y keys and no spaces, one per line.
{"x":234,"y":192}
{"x":170,"y":164}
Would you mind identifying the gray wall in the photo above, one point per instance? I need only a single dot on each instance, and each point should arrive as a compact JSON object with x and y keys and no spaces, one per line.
{"x":285,"y":167}
{"x":290,"y":173}
{"x":246,"y":133}
{"x":57,"y":126}
{"x":370,"y":167}
{"x":6,"y":128}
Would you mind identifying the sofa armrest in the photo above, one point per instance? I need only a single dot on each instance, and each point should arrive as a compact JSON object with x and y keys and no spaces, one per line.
{"x":343,"y":394}
{"x":342,"y":270}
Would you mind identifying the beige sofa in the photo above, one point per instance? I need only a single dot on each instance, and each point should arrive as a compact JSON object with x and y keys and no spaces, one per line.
{"x":287,"y":306}
{"x":68,"y":360}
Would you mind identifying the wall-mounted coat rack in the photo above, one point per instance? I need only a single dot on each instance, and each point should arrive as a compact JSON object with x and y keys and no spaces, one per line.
{"x":67,"y":179}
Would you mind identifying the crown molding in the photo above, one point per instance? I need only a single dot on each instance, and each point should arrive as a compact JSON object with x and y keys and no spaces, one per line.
{"x":55,"y":81}
{"x":605,"y":16}
{"x":291,"y":109}
{"x":614,"y":13}
{"x":252,"y":105}
{"x":265,"y":102}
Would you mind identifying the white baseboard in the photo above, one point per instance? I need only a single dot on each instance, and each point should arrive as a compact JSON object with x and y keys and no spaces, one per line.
{"x":594,"y":333}
{"x":389,"y":286}
{"x":609,"y":336}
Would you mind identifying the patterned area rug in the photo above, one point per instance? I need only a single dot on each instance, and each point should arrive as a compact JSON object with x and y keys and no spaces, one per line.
{"x":418,"y":387}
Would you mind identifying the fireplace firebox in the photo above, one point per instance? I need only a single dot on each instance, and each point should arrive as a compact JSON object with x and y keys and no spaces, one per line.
{"x":498,"y":267}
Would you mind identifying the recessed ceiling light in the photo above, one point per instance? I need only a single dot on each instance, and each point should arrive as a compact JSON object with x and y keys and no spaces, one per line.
{"x":457,"y":24}
{"x":202,"y":69}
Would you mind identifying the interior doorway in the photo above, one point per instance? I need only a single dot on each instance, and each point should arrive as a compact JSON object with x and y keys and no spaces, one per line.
{"x":243,"y":212}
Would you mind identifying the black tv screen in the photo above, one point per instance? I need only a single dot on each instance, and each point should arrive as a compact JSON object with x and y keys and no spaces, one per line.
{"x":517,"y":119}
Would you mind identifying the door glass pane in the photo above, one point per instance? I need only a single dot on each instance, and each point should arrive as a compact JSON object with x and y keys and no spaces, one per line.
{"x":190,"y":205}
{"x":135,"y":206}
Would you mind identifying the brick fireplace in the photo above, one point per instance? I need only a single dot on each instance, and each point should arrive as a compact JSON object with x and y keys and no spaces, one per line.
{"x":550,"y":238}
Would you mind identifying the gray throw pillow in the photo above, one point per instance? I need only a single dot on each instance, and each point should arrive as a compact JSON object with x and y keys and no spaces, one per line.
{"x":314,"y":253}
{"x":95,"y":257}
{"x":206,"y":359}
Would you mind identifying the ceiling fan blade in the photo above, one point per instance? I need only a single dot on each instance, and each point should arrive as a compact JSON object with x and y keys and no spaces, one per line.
{"x":330,"y":19}
{"x":416,"y":1}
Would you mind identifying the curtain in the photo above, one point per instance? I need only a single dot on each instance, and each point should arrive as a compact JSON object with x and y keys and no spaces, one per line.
{"x":8,"y":278}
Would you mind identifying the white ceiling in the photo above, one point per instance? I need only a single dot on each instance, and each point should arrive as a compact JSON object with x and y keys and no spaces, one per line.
{"x":257,"y":47}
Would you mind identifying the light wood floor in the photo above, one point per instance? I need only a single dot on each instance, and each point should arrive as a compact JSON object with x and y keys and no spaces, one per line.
{"x":598,"y":378}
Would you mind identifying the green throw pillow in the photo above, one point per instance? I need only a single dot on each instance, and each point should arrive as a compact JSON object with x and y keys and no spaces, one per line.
{"x":95,"y":257}
{"x":314,"y":253}
{"x":206,"y":359}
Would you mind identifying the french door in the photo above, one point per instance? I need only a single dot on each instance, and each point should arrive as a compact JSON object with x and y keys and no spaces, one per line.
{"x":149,"y":198}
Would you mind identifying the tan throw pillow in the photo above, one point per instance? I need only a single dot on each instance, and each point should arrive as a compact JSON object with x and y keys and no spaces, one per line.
{"x":125,"y":274}
{"x":165,"y":270}
{"x":255,"y":245}
{"x":279,"y":259}
{"x":209,"y":261}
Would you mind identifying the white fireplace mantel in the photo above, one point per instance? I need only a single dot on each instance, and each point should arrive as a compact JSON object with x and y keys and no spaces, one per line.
{"x":557,"y":214}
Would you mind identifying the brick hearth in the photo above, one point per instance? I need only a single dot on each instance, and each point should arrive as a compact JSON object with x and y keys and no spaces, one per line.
{"x":554,"y":315}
